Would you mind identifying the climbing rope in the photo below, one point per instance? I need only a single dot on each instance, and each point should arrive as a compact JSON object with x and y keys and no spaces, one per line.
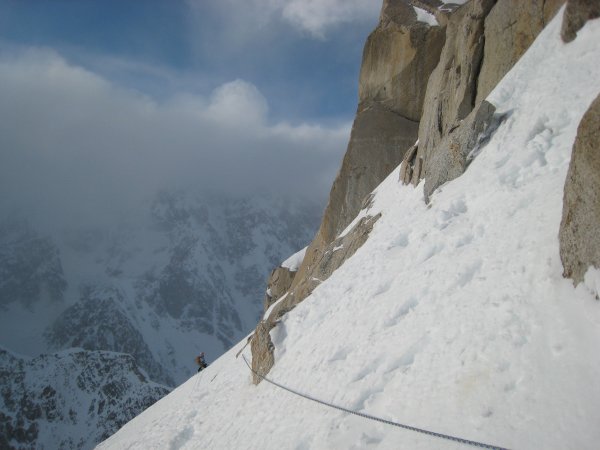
{"x":377,"y":419}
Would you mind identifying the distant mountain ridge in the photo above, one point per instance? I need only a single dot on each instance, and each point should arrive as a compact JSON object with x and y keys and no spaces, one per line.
{"x":71,"y":399}
{"x":189,"y":277}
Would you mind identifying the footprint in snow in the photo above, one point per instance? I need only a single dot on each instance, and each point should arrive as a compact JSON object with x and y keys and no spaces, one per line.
{"x":366,"y":440}
{"x":467,"y":273}
{"x":181,"y":438}
{"x":406,"y":307}
{"x":340,"y":355}
{"x":408,"y":358}
{"x":400,"y":241}
{"x":445,"y":216}
{"x":429,"y":252}
{"x":382,"y":288}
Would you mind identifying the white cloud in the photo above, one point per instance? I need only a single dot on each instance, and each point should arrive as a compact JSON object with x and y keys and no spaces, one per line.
{"x":76,"y":147}
{"x":237,"y":101}
{"x":316,"y":16}
{"x":312,"y":16}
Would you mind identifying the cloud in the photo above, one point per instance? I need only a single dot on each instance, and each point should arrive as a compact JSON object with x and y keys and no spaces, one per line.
{"x":237,"y":102}
{"x":313,"y":16}
{"x":317,"y":16}
{"x":76,"y":148}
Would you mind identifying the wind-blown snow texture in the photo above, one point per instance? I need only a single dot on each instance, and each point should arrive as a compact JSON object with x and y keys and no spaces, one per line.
{"x":452,"y":317}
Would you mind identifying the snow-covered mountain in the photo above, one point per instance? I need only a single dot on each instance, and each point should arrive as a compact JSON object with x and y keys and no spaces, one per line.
{"x":187,"y":275}
{"x":454,"y":315}
{"x":190,"y":277}
{"x":70,"y":399}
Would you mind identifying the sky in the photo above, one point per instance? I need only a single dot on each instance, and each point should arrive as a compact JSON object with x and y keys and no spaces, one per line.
{"x":102,"y":103}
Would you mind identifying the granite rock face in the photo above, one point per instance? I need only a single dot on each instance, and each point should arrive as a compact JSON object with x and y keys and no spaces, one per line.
{"x":377,"y":145}
{"x":577,"y":13}
{"x":397,"y":61}
{"x":484,"y":39}
{"x":452,"y":87}
{"x":398,"y":57}
{"x":459,"y":147}
{"x":510,"y":28}
{"x":580,"y":226}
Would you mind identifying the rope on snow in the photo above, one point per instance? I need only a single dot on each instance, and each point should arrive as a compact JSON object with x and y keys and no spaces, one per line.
{"x":377,"y":419}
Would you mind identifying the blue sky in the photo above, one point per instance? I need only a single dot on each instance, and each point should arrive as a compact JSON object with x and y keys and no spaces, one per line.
{"x":306,"y":70}
{"x":104,"y":102}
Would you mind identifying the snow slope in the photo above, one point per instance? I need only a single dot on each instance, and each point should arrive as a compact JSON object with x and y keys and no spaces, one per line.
{"x":452,"y":317}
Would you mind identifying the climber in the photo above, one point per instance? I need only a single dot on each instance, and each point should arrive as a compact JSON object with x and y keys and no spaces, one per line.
{"x":201,"y":362}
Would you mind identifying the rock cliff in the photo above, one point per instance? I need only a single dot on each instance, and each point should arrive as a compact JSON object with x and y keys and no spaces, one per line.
{"x":484,"y":39}
{"x":426,"y":71}
{"x":398,"y":58}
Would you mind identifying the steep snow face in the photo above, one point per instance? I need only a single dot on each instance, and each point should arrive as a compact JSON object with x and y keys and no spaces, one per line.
{"x":189,"y":276}
{"x":452,"y":317}
{"x":97,"y":392}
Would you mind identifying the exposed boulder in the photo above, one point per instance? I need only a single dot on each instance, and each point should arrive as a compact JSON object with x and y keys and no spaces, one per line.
{"x":510,"y":28}
{"x":579,"y":229}
{"x":452,"y":87}
{"x":577,"y":13}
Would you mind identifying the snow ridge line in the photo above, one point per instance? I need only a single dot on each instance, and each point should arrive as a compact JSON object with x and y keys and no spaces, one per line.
{"x":377,"y":419}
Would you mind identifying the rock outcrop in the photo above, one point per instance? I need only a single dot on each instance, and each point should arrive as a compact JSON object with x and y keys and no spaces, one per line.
{"x":510,"y":28}
{"x":458,"y":148}
{"x":398,"y":57}
{"x":579,"y":229}
{"x":331,"y":259}
{"x":452,"y":87}
{"x":484,"y":39}
{"x":278,"y":284}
